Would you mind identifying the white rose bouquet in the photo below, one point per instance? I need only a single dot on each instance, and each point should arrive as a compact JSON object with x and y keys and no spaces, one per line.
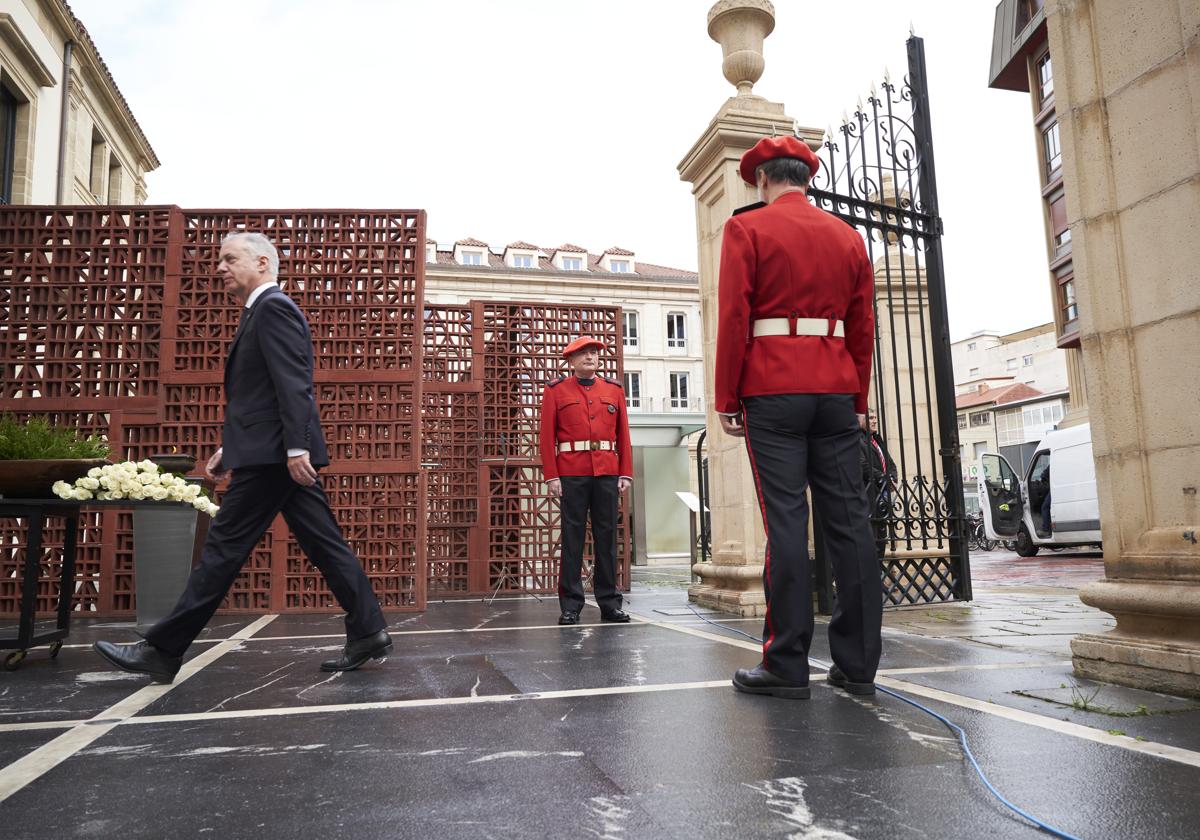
{"x":140,"y":480}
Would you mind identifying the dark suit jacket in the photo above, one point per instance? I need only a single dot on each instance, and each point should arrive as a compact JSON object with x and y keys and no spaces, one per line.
{"x":269,"y":403}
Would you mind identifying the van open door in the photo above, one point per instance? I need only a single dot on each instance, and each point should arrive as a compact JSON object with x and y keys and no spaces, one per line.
{"x":999,"y":497}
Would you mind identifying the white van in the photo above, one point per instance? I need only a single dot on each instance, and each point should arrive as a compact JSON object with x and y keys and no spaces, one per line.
{"x":1012,"y":507}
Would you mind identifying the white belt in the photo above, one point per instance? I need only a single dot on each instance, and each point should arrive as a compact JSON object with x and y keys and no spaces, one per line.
{"x":585,"y":445}
{"x":804,"y":326}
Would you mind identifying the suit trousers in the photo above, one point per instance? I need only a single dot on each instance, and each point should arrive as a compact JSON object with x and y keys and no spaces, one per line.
{"x":795,"y":440}
{"x":254,"y":498}
{"x":581,"y":494}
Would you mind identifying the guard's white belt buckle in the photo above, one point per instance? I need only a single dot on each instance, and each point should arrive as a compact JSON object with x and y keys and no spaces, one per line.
{"x":804,"y":326}
{"x":585,"y":445}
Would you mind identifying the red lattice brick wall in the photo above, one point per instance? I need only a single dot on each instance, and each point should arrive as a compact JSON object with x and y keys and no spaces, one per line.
{"x":491,"y":523}
{"x":112,"y":321}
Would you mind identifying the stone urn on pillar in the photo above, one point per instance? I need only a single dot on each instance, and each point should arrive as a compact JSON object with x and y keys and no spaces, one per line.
{"x":732,"y":580}
{"x":740,"y":27}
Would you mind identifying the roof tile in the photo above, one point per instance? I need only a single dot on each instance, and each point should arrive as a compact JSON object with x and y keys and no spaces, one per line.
{"x":1000,"y":396}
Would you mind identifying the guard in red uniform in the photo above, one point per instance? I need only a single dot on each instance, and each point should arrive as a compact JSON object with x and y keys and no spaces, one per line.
{"x":795,"y":334}
{"x":587,"y":462}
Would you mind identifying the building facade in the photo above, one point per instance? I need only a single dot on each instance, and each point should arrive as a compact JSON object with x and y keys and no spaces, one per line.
{"x":67,"y":135}
{"x":1010,"y":390}
{"x":1021,"y":61}
{"x":1031,"y":357}
{"x":663,"y":366}
{"x":1010,"y":419}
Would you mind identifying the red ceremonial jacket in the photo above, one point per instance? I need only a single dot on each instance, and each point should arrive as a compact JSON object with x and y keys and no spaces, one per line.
{"x":572,"y":411}
{"x":789,"y":258}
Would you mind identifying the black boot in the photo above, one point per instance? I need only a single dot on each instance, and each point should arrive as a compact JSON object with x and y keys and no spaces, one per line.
{"x":758,"y":680}
{"x":838,"y":679}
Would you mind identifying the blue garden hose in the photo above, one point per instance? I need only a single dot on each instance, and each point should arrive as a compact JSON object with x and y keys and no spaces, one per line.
{"x":962,"y":735}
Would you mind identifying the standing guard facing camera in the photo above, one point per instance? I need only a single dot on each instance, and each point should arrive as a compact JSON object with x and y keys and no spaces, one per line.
{"x":587,"y":463}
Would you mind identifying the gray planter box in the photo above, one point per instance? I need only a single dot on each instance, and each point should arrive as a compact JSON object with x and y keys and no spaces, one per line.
{"x":164,"y":539}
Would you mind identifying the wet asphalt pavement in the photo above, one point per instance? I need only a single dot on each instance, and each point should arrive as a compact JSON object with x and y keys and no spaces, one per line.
{"x":490,"y":721}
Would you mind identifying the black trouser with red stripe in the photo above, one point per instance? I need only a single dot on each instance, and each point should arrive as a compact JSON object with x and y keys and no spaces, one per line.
{"x":795,"y":440}
{"x":580,"y":494}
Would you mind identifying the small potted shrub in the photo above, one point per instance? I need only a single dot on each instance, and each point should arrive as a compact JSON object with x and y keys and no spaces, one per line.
{"x":35,"y":454}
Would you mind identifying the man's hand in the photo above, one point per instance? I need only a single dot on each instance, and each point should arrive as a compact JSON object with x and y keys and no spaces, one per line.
{"x":213,"y":468}
{"x":554,"y":485}
{"x":301,"y":470}
{"x":862,"y":421}
{"x":732,"y":425}
{"x":623,"y":485}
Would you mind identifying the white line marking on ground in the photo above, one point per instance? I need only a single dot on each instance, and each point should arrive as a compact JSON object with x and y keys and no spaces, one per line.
{"x":1062,"y":727}
{"x":395,"y":632}
{"x":40,"y":724}
{"x":993,"y":666}
{"x":48,"y":756}
{"x":440,"y":632}
{"x":88,"y":645}
{"x":701,"y":634}
{"x":422,"y":703}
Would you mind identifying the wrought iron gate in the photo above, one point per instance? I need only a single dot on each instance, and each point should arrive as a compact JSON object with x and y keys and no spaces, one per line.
{"x":877,"y":175}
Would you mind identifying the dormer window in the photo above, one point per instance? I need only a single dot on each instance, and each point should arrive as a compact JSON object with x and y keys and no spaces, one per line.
{"x":431,"y":251}
{"x":570,"y":258}
{"x":470,"y":252}
{"x":618,"y":261}
{"x":521,"y":255}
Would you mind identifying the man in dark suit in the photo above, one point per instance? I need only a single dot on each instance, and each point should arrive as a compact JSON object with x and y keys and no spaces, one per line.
{"x":795,"y":330}
{"x":272,"y":445}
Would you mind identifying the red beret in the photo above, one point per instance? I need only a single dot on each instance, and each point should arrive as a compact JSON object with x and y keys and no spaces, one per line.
{"x":582,"y":343}
{"x":770,"y":148}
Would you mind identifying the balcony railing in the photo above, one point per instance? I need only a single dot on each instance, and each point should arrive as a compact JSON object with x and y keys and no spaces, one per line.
{"x":667,"y":405}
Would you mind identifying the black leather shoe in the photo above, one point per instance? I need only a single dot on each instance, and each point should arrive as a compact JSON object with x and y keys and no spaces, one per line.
{"x":141,"y":658}
{"x":758,"y":680}
{"x":568,"y":617}
{"x":838,"y":679}
{"x":356,"y":653}
{"x":619,"y":616}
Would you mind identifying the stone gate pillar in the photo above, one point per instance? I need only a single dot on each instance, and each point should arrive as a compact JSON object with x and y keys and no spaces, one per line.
{"x":1129,"y":113}
{"x":733,"y":580}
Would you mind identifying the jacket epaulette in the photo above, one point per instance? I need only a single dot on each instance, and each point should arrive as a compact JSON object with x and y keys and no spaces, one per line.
{"x":558,"y":381}
{"x":611,"y":381}
{"x":755,"y":206}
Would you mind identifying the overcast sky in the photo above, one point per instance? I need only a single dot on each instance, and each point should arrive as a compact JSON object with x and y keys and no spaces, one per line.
{"x":556,"y":121}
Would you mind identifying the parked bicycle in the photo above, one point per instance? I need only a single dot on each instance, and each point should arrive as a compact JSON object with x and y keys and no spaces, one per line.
{"x":977,"y":538}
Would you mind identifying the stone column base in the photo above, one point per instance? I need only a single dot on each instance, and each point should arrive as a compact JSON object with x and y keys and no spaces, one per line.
{"x":1156,"y":643}
{"x":1140,"y":663}
{"x":728,"y":588}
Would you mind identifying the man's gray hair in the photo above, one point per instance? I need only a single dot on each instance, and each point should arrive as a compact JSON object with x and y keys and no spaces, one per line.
{"x":258,"y":245}
{"x":786,"y":170}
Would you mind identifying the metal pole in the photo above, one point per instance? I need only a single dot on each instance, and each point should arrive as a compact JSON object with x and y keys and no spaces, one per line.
{"x":702,"y":489}
{"x":60,"y":189}
{"x":939,"y":321}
